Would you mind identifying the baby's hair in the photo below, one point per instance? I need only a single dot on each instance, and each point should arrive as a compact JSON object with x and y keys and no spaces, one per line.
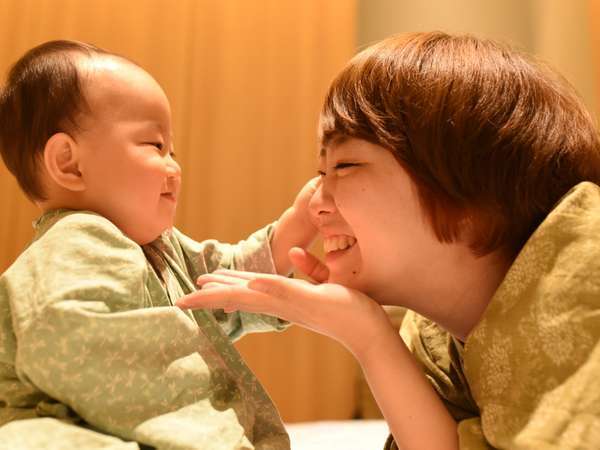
{"x":43,"y":95}
{"x":491,"y":138}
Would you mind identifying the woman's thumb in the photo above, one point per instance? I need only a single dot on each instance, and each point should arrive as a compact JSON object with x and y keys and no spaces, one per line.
{"x":309,"y":264}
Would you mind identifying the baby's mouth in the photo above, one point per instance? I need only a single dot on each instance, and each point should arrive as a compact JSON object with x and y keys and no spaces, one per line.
{"x":168,"y":195}
{"x":338,"y":243}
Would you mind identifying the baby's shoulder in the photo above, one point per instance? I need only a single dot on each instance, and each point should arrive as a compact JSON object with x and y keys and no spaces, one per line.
{"x":85,"y":228}
{"x":79,"y":236}
{"x":78,"y":223}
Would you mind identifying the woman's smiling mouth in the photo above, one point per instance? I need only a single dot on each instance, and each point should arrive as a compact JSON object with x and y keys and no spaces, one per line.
{"x":337,"y":243}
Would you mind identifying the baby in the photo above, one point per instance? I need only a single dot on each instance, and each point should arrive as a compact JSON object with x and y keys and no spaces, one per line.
{"x":92,"y":351}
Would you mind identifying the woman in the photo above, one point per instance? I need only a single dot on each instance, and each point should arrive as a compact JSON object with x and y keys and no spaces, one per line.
{"x":459,"y":180}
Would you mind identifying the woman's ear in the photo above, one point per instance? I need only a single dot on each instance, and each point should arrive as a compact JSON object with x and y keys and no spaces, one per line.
{"x":61,"y":159}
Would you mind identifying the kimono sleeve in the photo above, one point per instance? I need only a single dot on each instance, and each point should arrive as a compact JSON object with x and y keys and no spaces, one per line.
{"x":252,"y":255}
{"x":85,"y":339}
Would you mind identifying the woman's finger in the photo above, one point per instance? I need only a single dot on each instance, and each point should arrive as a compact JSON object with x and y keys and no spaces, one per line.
{"x":235,"y":273}
{"x":239,"y":274}
{"x":309,"y":264}
{"x":271,"y":294}
{"x":229,"y":298}
{"x":219,"y":278}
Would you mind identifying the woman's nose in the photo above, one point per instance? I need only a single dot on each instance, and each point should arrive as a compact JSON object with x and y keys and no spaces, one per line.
{"x":321,"y":204}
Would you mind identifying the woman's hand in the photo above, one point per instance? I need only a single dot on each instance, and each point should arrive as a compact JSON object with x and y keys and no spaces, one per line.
{"x":343,"y":314}
{"x":416,"y":416}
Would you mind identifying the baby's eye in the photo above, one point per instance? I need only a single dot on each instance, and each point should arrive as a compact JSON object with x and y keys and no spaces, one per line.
{"x":158,"y":145}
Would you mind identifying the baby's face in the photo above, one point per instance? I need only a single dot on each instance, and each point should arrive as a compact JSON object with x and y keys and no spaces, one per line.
{"x":126,"y":149}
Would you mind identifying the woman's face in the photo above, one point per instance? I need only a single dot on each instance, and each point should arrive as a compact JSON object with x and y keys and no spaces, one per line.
{"x":375,"y":237}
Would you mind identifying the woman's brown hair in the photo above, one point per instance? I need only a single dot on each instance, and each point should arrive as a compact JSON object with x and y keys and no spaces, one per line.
{"x":491,"y":138}
{"x":42,"y":96}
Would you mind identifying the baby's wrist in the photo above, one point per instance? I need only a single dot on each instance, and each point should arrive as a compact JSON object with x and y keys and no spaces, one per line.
{"x":303,"y":222}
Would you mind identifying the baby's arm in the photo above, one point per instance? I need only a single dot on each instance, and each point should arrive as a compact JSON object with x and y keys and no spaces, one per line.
{"x":264,"y":251}
{"x":294,"y":229}
{"x":252,"y":254}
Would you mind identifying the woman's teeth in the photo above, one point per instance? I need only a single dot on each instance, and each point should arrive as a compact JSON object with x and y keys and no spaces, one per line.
{"x":334,"y":243}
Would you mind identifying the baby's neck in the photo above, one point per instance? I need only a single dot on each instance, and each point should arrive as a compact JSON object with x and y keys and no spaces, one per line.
{"x":54,"y":202}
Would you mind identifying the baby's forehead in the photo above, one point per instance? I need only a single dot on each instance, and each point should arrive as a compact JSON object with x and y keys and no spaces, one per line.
{"x":104,"y":75}
{"x":114,"y":85}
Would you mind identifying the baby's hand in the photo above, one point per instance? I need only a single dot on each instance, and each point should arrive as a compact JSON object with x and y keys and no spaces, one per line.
{"x":306,"y":193}
{"x":295,"y":228}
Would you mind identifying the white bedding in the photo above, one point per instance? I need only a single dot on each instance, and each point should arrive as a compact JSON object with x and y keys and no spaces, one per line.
{"x":338,"y":435}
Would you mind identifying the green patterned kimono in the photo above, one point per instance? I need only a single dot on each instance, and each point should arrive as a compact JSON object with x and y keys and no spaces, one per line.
{"x":93,"y":354}
{"x":528,"y":376}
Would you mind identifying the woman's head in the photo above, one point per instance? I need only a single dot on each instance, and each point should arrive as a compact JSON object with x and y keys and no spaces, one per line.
{"x":490,"y":138}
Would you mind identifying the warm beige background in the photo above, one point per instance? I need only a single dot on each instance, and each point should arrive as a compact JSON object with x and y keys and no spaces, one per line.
{"x":245,"y":80}
{"x":558,"y":31}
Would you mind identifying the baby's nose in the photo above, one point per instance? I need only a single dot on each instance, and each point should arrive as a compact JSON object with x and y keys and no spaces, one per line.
{"x":173,"y":168}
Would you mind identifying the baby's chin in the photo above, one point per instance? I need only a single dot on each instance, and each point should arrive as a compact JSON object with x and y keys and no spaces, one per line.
{"x":150,"y":236}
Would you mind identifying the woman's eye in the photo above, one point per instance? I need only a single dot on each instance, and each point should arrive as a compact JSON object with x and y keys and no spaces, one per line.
{"x":338,"y":167}
{"x":344,"y":165}
{"x":158,"y":145}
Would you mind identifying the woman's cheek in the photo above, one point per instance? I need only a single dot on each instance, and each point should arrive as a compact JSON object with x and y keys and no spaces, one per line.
{"x":344,"y":191}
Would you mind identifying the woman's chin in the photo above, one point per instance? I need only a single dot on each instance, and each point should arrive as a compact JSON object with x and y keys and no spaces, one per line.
{"x":349,"y":279}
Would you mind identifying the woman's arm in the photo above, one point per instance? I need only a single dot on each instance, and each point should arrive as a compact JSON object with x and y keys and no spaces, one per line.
{"x":416,"y":416}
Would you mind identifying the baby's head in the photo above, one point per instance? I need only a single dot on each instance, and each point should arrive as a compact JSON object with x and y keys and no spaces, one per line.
{"x":85,"y":129}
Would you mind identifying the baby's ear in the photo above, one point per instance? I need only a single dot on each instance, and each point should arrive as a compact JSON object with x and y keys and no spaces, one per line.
{"x":61,"y":159}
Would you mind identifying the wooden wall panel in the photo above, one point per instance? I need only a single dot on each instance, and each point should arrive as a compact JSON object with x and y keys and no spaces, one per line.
{"x":594,"y":9}
{"x":245,"y":79}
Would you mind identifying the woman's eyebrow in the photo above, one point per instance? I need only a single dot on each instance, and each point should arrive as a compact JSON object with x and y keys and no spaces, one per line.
{"x":331,"y":148}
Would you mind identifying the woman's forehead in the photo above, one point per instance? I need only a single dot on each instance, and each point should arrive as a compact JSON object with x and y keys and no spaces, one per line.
{"x":349,"y":146}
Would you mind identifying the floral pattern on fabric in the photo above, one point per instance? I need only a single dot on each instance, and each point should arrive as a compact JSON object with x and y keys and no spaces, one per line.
{"x":532,"y":364}
{"x":89,"y":337}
